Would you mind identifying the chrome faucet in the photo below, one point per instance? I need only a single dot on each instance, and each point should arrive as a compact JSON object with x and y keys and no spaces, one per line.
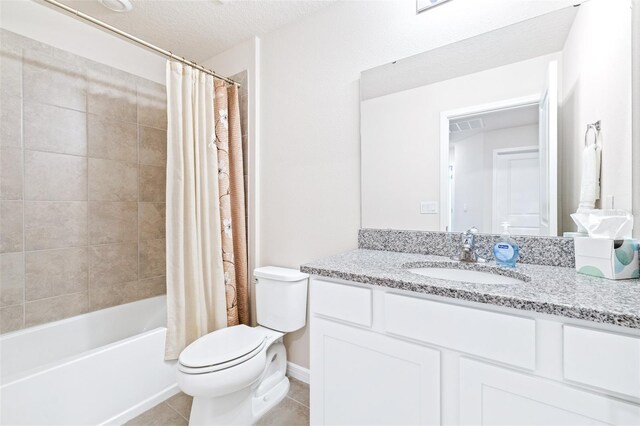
{"x":468,"y":250}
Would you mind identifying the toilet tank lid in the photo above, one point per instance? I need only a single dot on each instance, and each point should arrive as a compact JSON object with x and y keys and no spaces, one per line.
{"x":279,"y":274}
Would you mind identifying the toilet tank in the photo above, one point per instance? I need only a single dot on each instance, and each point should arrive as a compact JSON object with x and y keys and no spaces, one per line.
{"x":281,"y":298}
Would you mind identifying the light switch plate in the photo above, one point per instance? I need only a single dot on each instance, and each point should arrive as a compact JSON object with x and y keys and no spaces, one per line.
{"x":429,"y":207}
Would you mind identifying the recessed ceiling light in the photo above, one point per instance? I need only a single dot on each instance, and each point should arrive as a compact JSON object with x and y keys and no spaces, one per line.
{"x":117,"y":5}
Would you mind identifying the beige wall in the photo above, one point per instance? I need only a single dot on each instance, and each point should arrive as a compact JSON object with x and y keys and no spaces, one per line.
{"x":83,"y":153}
{"x":401,"y":139}
{"x":597,"y":86}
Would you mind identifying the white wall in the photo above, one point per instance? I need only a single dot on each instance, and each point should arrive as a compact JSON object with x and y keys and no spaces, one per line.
{"x":49,"y":26}
{"x":469,"y":196}
{"x":401,"y":140}
{"x":597,"y":70}
{"x":310,"y":148}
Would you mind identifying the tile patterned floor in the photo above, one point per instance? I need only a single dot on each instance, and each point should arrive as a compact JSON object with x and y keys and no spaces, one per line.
{"x":292,"y":411}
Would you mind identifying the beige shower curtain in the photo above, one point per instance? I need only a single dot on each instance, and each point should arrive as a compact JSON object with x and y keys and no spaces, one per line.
{"x":232,"y":202}
{"x":206,"y":235}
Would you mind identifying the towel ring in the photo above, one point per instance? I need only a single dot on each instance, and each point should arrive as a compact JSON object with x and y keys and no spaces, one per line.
{"x":596,"y":130}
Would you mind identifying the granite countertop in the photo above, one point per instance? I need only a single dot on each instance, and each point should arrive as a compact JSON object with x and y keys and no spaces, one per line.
{"x":547,"y":289}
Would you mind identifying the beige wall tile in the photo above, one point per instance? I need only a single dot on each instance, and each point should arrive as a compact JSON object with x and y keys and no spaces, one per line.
{"x":245,"y":157}
{"x":152,"y":104}
{"x":152,"y":183}
{"x":53,"y":81}
{"x":152,"y":287}
{"x":11,"y":226}
{"x":153,"y":146}
{"x":51,"y":273}
{"x":11,"y":279}
{"x":107,"y":295}
{"x":113,"y":263}
{"x":114,"y":140}
{"x":11,"y":318}
{"x":10,"y":69}
{"x":61,"y":108}
{"x":54,"y":129}
{"x":11,"y":121}
{"x":55,"y":308}
{"x":112,"y":94}
{"x":112,"y":180}
{"x":57,"y":224}
{"x":152,"y":258}
{"x":54,"y":177}
{"x":151,"y":221}
{"x":11,"y":174}
{"x":112,"y":222}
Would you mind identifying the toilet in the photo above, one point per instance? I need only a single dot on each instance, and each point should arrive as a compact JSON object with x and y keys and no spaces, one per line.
{"x":237,"y":374}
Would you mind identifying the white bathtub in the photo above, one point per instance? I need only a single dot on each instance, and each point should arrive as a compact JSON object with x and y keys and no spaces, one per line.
{"x":104,"y":367}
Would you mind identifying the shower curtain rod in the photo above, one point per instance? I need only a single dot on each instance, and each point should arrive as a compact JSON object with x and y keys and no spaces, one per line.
{"x":135,"y":39}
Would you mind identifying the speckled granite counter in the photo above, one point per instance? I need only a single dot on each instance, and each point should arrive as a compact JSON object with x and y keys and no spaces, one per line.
{"x":548,"y":289}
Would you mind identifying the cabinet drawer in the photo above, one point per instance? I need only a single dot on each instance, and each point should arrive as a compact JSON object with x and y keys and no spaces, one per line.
{"x":605,"y":360}
{"x":341,"y":301}
{"x":500,"y":337}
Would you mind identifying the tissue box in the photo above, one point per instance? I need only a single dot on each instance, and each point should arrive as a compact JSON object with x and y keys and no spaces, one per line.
{"x":606,"y":258}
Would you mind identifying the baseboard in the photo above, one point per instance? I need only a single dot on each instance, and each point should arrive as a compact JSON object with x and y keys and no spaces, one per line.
{"x":298,"y":372}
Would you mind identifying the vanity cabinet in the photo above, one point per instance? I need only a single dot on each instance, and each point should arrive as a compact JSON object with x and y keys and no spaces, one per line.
{"x":365,"y":378}
{"x":491,"y":395}
{"x":385,"y":356}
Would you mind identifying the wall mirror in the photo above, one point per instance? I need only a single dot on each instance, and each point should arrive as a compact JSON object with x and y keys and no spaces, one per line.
{"x":491,"y":129}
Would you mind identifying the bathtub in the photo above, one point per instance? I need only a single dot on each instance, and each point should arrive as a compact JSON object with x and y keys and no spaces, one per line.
{"x":104,"y":367}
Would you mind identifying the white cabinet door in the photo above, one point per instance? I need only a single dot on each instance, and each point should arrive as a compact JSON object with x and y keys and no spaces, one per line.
{"x":492,"y":395}
{"x":363,"y":378}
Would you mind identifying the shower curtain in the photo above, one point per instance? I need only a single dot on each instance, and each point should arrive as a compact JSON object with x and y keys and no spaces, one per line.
{"x":232,"y":202}
{"x":206,"y":289}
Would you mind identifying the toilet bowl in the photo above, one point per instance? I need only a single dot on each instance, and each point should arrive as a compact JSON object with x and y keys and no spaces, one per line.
{"x":237,"y":374}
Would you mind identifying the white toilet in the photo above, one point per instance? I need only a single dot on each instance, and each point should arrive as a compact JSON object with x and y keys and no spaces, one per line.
{"x":237,"y":374}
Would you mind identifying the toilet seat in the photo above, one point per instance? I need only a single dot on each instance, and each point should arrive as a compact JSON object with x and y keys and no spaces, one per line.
{"x":222,"y":349}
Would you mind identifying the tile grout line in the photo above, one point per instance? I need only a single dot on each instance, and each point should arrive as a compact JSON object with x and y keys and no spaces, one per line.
{"x":298,"y":402}
{"x":175,"y":410}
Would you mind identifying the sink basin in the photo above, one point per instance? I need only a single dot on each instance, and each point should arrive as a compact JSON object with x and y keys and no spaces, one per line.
{"x":465,"y":275}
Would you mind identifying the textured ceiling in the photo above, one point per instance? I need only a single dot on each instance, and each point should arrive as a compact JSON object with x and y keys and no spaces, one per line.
{"x":495,"y":120}
{"x":200,"y":29}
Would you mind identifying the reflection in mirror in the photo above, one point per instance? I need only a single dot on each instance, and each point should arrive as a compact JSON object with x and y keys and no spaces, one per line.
{"x":492,"y":129}
{"x":494,"y":169}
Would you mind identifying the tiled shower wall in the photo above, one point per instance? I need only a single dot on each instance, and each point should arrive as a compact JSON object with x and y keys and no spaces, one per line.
{"x":82,"y":185}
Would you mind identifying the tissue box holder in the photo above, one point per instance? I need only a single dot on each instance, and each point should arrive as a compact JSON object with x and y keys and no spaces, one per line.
{"x":606,"y":258}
